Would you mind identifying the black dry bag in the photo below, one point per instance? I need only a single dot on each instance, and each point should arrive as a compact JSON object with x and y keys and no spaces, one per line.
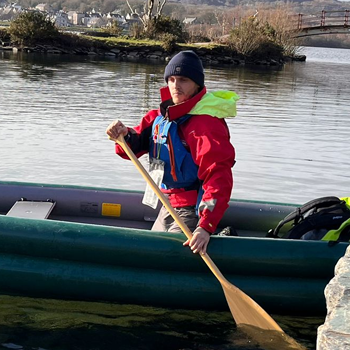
{"x":314,"y":219}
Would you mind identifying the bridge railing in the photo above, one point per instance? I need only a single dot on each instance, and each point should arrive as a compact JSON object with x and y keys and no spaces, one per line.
{"x":323,"y":18}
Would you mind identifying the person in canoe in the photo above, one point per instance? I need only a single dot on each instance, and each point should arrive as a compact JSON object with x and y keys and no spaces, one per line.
{"x":190,"y":153}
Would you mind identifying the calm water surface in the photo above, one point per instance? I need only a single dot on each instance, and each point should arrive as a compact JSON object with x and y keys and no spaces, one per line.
{"x":291,"y":133}
{"x":42,"y":324}
{"x":291,"y":138}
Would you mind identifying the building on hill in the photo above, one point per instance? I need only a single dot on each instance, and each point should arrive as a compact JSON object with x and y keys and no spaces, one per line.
{"x":114,"y":16}
{"x":61,"y":19}
{"x":132,"y":19}
{"x":190,"y":20}
{"x":76,"y":18}
{"x":44,"y":8}
{"x":8,"y":12}
{"x":97,"y":22}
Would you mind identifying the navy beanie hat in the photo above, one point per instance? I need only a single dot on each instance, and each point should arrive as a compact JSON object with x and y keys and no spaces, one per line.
{"x":186,"y":64}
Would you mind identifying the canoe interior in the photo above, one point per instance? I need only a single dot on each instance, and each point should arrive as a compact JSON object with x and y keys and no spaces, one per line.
{"x":125,"y":209}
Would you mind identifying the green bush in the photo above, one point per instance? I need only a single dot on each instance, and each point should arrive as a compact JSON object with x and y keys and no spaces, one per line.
{"x":137,"y":31}
{"x":267,"y":50}
{"x":247,"y":38}
{"x":198,"y":38}
{"x":4,"y":35}
{"x":168,"y":42}
{"x":166,"y":25}
{"x":31,"y":27}
{"x":115,"y":29}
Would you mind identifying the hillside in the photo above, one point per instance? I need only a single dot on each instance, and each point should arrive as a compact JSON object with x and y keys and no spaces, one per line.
{"x":183,"y":8}
{"x":208,"y":14}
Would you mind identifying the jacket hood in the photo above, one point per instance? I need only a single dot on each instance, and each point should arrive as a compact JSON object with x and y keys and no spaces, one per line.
{"x":219,"y":104}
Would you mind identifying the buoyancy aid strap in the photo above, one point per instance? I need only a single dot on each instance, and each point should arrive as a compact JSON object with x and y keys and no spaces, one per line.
{"x":178,"y":198}
{"x":334,"y":235}
{"x":347,"y":201}
{"x":171,"y":147}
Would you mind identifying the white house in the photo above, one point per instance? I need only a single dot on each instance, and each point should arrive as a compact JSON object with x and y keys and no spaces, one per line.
{"x":61,"y":19}
{"x":97,"y":22}
{"x":7,"y":13}
{"x":190,"y":20}
{"x":76,"y":18}
{"x":44,"y":8}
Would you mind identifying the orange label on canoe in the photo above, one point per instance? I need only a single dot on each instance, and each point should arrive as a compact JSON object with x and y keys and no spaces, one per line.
{"x":111,"y":209}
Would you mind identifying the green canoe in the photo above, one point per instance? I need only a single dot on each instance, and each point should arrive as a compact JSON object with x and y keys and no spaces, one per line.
{"x":95,"y":244}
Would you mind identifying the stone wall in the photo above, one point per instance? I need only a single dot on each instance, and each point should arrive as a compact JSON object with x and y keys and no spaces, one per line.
{"x":334,"y":334}
{"x":219,"y":55}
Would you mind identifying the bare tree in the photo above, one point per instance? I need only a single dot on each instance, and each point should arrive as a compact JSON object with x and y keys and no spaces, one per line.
{"x":147,"y":14}
{"x":223,"y":21}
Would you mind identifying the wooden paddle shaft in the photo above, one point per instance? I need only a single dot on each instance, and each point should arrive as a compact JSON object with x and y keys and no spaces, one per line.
{"x":244,"y":309}
{"x":168,"y":206}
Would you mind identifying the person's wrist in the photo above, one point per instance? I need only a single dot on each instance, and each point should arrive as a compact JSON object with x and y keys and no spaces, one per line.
{"x":203,"y":229}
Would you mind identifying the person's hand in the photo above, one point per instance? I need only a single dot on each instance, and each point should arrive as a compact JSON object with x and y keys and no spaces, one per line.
{"x":199,"y":242}
{"x":115,"y":129}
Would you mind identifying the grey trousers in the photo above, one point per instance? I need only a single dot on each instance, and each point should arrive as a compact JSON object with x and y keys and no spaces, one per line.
{"x":166,"y":223}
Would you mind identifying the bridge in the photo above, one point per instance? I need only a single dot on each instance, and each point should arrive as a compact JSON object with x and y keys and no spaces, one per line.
{"x":324,"y":22}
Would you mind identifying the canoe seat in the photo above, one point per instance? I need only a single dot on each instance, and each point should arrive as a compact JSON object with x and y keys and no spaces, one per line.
{"x":31,"y":209}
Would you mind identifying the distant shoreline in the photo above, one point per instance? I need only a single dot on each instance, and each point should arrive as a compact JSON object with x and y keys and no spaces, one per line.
{"x":211,"y":55}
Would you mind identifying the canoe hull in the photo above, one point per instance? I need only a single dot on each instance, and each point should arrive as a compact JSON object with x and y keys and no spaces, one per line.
{"x":55,"y":258}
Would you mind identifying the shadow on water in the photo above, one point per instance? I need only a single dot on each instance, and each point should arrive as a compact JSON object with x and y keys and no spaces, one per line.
{"x":29,"y":323}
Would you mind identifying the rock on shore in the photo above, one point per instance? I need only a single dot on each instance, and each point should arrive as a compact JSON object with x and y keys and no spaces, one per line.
{"x":334,"y":334}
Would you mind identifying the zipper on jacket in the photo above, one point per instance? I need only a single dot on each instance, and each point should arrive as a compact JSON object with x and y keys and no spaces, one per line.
{"x":172,"y":158}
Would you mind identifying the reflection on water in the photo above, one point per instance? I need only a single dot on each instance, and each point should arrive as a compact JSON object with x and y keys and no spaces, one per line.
{"x":52,"y":325}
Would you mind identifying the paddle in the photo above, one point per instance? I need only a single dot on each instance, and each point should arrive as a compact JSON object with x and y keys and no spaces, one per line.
{"x":244,"y":310}
{"x":250,"y":317}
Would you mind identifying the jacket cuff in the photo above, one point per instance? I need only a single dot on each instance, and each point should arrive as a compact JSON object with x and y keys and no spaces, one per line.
{"x":207,"y":225}
{"x":128,"y":136}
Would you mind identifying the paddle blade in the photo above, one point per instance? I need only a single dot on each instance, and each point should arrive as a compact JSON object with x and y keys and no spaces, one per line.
{"x":256,"y":323}
{"x":246,"y":311}
{"x":270,"y":339}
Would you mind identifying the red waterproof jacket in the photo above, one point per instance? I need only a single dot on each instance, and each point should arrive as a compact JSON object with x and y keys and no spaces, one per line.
{"x":208,"y":139}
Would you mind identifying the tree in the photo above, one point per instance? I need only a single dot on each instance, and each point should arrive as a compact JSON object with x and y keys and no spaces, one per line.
{"x":147,"y":15}
{"x":166,"y":25}
{"x":115,"y":29}
{"x":254,"y":39}
{"x":29,"y":27}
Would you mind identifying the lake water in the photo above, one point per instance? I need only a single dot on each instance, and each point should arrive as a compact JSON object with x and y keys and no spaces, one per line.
{"x":291,"y":132}
{"x":291,"y":137}
{"x":40,"y":324}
